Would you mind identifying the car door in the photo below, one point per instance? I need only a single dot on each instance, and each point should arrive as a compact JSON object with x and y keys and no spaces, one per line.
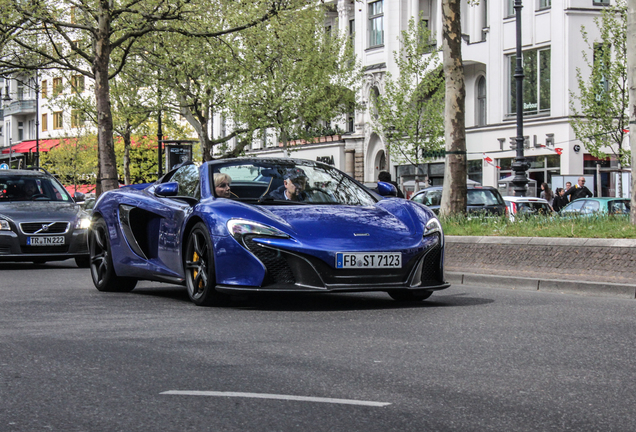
{"x":573,"y":209}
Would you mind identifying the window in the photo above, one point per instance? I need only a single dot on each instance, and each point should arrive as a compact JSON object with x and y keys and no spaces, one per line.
{"x":45,"y":122}
{"x":352,"y":32}
{"x":20,"y":131}
{"x":57,"y":120}
{"x":481,"y":101}
{"x":57,"y":86}
{"x":510,"y":8}
{"x":20,"y":90}
{"x":536,"y":82}
{"x":601,"y":2}
{"x":77,"y":118}
{"x":188,"y":179}
{"x":44,"y":89}
{"x":376,"y":23}
{"x":545,"y":4}
{"x":77,"y":83}
{"x":73,"y":12}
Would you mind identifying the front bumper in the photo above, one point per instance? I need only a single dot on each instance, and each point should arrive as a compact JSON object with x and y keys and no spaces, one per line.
{"x":13,"y":247}
{"x":292,"y":271}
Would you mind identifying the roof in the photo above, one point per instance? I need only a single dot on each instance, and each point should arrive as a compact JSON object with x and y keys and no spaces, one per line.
{"x":524,"y":199}
{"x":30,"y":146}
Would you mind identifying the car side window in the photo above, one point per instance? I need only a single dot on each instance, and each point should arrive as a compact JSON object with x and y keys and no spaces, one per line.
{"x":618,"y":207}
{"x":590,"y":207}
{"x":188,"y":179}
{"x":573,"y":207}
{"x":419,"y":198}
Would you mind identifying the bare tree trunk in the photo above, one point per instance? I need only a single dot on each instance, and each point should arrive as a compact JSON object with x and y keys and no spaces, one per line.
{"x":454,"y":191}
{"x":127,"y":144}
{"x":631,"y":79}
{"x":108,"y":161}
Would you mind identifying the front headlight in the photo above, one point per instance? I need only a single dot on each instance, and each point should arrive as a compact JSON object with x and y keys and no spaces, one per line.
{"x":83,"y":223}
{"x":433,"y":226}
{"x":239,"y":228}
{"x":4,"y":225}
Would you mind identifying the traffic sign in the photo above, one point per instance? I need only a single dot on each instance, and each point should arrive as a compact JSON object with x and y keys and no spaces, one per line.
{"x":4,"y":166}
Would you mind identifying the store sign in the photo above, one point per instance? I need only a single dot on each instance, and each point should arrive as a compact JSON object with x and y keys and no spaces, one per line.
{"x":326,"y":159}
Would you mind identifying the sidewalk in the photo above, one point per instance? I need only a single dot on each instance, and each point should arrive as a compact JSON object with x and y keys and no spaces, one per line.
{"x":600,"y":267}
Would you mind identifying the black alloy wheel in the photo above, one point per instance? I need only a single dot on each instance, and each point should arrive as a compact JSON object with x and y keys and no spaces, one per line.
{"x":410,"y":295}
{"x":101,"y":262}
{"x":200,"y":274}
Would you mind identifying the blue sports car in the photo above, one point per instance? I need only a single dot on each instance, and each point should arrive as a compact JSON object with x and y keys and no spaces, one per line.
{"x":265,"y":224}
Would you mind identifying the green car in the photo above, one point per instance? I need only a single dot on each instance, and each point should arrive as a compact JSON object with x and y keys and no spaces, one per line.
{"x":597,"y":207}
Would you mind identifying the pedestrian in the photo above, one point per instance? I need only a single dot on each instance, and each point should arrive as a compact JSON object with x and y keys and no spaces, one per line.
{"x":579,"y":190}
{"x":546,"y":193}
{"x":385,"y":176}
{"x":567,"y":187}
{"x":560,"y":200}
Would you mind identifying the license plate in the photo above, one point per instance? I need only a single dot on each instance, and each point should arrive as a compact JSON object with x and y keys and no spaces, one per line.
{"x":45,"y":241}
{"x":369,"y":260}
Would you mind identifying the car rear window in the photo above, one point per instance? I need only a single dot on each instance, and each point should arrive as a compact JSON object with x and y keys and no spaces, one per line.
{"x":619,"y":207}
{"x":484,"y":197}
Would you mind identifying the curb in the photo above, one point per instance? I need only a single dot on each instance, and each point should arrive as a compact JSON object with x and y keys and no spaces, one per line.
{"x":599,"y":289}
{"x":543,"y":241}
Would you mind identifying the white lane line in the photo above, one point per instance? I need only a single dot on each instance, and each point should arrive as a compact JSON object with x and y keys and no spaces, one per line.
{"x":274,"y":396}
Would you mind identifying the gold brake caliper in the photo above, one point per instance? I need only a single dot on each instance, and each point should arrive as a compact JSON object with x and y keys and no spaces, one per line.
{"x":195,"y":258}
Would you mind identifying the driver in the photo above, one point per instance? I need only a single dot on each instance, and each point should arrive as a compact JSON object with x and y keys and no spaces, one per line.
{"x":30,"y":189}
{"x":293,"y":188}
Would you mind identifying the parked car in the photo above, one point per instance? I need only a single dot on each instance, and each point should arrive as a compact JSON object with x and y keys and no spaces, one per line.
{"x":597,"y":206}
{"x":39,"y":221}
{"x":484,"y":200}
{"x":242,"y":235}
{"x":527,"y":206}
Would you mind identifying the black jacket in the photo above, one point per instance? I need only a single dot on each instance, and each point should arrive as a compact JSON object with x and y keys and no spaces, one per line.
{"x":577,"y":192}
{"x":559,"y":202}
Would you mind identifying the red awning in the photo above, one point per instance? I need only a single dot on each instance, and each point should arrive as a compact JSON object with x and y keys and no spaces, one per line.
{"x":29,"y":146}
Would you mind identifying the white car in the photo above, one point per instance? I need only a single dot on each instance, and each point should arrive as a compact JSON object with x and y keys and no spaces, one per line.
{"x":527,"y":206}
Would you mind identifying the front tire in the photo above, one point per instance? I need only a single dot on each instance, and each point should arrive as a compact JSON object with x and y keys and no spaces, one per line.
{"x":200,"y":273}
{"x":410,"y":295}
{"x":101,"y":262}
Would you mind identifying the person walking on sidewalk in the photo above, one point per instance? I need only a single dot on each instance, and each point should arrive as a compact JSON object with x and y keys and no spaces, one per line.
{"x":579,"y":190}
{"x":560,"y":200}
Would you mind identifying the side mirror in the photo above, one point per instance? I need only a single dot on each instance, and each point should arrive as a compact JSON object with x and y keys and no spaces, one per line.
{"x":386,"y":189}
{"x":170,"y":189}
{"x":79,"y":197}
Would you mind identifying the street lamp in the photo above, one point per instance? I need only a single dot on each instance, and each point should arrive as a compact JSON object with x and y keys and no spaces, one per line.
{"x":7,"y":98}
{"x":520,"y":165}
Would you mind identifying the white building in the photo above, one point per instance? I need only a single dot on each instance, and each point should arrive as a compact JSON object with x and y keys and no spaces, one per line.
{"x":24,"y":108}
{"x":551,"y":37}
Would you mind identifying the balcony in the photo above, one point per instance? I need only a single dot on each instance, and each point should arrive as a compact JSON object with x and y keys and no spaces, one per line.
{"x":20,"y":107}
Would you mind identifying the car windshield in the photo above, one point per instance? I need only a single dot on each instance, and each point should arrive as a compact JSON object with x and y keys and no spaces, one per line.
{"x":287,"y":182}
{"x":15,"y":187}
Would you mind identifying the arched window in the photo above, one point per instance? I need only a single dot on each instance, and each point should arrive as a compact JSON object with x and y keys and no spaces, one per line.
{"x":481,"y":101}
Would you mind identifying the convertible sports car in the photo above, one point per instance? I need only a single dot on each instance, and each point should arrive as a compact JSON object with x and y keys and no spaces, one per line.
{"x":255,"y":224}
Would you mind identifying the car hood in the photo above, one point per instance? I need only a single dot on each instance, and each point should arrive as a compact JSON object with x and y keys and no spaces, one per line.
{"x":36,"y":211}
{"x":347,"y":226}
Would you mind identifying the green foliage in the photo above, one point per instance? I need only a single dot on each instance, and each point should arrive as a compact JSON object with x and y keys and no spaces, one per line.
{"x":74,"y":160}
{"x":538,"y":226}
{"x":410,"y":112}
{"x":600,"y":115}
{"x":295,"y":74}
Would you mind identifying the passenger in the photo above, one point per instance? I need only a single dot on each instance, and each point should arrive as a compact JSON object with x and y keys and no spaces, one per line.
{"x":222,"y":185}
{"x":293,"y":188}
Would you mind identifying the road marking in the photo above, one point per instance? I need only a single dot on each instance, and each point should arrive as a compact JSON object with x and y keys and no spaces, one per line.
{"x":275,"y":396}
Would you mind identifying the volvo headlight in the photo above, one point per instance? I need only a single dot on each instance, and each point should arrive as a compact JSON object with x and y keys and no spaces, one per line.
{"x":432,"y":226}
{"x":83,"y":223}
{"x":239,"y":228}
{"x":4,"y":225}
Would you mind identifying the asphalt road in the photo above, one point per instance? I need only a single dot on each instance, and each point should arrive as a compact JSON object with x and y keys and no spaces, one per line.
{"x":468,"y":359}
